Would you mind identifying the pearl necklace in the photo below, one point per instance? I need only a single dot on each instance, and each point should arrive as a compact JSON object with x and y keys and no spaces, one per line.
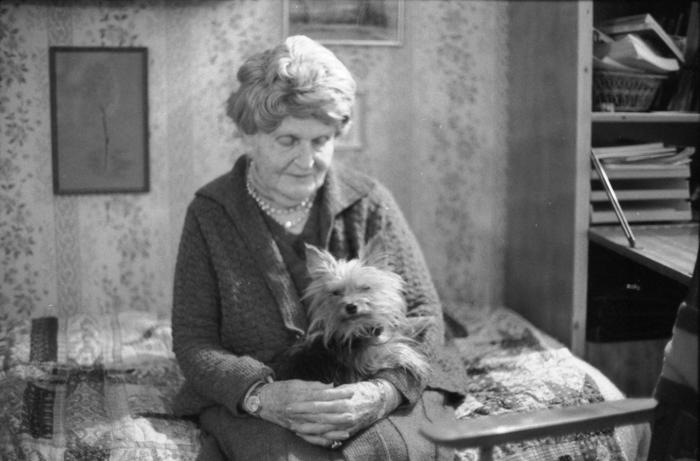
{"x":274,"y":212}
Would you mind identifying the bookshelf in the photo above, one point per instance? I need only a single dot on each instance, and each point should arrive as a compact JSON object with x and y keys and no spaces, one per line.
{"x":645,"y":117}
{"x":549,"y":138}
{"x":552,"y":130}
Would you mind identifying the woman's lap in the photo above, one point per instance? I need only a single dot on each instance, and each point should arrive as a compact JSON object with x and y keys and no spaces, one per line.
{"x":251,"y":438}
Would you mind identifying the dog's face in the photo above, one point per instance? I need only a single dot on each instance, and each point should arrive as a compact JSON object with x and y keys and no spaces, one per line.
{"x":352,"y":299}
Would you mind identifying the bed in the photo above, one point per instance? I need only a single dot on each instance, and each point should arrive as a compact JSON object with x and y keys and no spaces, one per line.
{"x":100,"y":387}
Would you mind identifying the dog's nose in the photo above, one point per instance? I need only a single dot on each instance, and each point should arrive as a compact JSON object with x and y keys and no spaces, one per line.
{"x":351,"y":309}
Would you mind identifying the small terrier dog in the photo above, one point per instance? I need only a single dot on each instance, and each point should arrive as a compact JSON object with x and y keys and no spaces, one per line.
{"x":357,"y":321}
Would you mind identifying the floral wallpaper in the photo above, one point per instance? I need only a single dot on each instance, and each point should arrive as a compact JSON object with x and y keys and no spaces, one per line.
{"x":432,"y":120}
{"x":466,"y":144}
{"x":20,"y":230}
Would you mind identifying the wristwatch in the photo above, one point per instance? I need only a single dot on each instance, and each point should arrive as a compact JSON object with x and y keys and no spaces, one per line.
{"x":251,"y":402}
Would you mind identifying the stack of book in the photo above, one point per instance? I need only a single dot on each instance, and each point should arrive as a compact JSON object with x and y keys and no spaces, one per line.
{"x":650,"y":181}
{"x":635,"y":44}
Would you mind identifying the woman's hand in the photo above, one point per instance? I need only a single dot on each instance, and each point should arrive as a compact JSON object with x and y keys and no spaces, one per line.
{"x":338,"y":413}
{"x":278,"y":398}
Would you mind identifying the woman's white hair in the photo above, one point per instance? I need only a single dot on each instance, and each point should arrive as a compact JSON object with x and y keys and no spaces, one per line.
{"x":299,"y":78}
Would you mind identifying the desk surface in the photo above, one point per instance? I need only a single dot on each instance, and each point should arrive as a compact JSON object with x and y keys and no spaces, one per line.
{"x":670,"y":249}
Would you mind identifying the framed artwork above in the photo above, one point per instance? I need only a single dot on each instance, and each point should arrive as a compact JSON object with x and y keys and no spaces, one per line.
{"x":353,"y":140}
{"x":99,"y":119}
{"x":346,"y":22}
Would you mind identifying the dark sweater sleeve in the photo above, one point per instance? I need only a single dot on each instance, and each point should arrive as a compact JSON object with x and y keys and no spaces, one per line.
{"x":421,"y":296}
{"x":213,"y":374}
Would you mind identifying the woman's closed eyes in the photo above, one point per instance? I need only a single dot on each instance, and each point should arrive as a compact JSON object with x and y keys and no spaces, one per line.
{"x":291,"y":141}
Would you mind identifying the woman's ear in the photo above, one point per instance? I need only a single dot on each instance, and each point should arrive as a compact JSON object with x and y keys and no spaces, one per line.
{"x":249,"y":142}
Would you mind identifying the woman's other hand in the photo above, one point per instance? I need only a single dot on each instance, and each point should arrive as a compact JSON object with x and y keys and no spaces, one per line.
{"x":278,"y":397}
{"x":338,"y":413}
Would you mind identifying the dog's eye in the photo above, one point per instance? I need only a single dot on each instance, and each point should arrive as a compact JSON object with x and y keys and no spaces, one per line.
{"x":365,"y":287}
{"x":337,"y":292}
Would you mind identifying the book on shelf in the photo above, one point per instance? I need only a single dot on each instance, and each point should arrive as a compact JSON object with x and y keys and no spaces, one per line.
{"x":687,"y":96}
{"x":646,"y":27}
{"x":644,"y":171}
{"x":630,"y":54}
{"x":633,"y":150}
{"x":680,"y":192}
{"x":642,"y":215}
{"x":609,"y":64}
{"x":635,"y":147}
{"x":649,"y":187}
{"x":632,"y":51}
{"x":600,"y":37}
{"x":635,"y":189}
{"x":668,"y":157}
{"x":692,"y":33}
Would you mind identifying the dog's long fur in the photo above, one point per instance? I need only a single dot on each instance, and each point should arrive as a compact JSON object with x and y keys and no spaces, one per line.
{"x":357,"y":321}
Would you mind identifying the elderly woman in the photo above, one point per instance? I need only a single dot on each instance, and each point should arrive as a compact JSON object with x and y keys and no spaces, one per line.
{"x":241,"y":271}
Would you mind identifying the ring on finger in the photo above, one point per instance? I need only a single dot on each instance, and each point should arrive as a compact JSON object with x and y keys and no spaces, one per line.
{"x":335,"y":444}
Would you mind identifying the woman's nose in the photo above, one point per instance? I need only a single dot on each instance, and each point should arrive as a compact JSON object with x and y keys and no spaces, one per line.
{"x":305,"y":158}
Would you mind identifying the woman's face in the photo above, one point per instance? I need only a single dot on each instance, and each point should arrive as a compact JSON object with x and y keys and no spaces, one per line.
{"x":291,"y":163}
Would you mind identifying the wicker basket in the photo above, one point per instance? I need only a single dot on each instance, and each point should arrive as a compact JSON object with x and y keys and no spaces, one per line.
{"x":627,"y":92}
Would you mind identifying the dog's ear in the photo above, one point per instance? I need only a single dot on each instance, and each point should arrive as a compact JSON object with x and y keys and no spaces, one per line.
{"x":374,"y":253}
{"x":318,"y":260}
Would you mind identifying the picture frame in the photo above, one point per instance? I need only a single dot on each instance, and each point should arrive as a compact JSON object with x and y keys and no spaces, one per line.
{"x":346,"y":22}
{"x":99,"y":119}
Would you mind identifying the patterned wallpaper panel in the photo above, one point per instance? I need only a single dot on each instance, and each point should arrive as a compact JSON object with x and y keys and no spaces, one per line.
{"x":432,"y":129}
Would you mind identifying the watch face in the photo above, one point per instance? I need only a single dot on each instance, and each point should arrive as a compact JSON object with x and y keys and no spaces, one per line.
{"x":253,"y":404}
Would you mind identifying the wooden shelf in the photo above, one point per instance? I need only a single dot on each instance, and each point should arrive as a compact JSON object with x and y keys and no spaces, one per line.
{"x":549,"y":187}
{"x":669,"y":249}
{"x":646,"y":117}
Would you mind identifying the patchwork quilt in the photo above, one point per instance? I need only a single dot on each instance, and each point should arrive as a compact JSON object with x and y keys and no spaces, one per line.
{"x":514,"y":367}
{"x":91,"y":387}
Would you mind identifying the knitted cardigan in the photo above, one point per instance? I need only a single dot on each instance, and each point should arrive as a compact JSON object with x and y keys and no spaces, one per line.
{"x":235,"y":307}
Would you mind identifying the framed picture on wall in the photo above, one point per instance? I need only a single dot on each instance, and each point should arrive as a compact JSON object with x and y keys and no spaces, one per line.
{"x":354,"y":138}
{"x":346,"y":22}
{"x":99,"y":119}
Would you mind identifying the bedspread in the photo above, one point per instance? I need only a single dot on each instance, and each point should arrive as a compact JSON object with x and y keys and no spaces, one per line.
{"x":514,"y":367}
{"x":92,"y":387}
